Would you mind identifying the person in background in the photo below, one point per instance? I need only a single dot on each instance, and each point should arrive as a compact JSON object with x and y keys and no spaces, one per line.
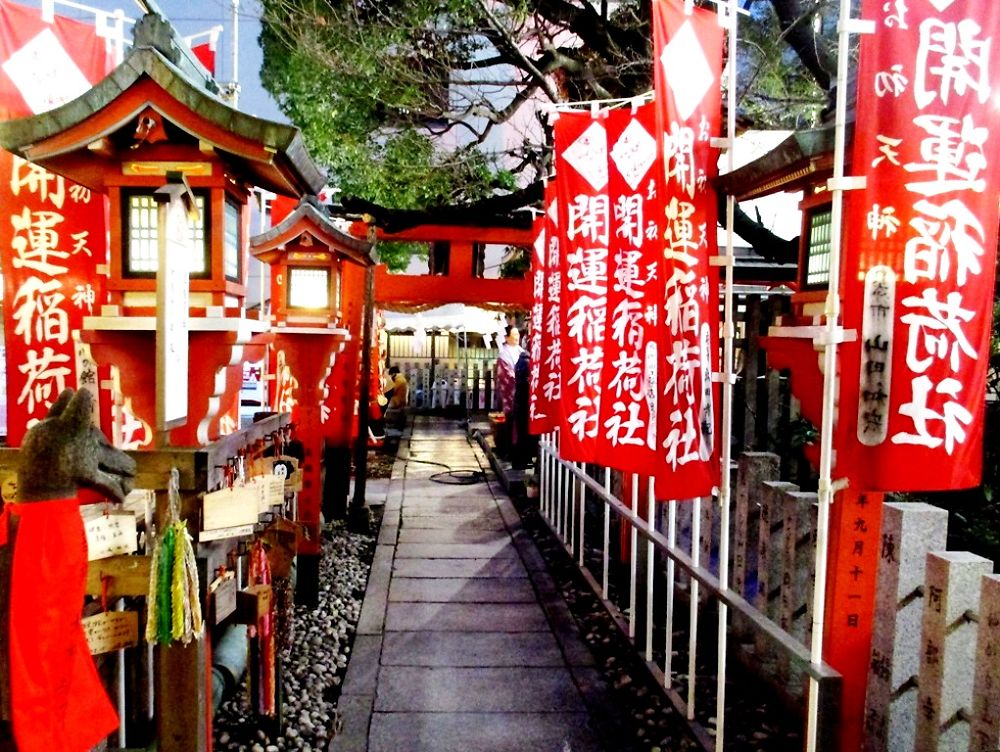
{"x":510,"y":351}
{"x":398,"y":395}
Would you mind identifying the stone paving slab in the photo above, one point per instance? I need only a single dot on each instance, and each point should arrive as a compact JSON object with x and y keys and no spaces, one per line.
{"x":365,"y":653}
{"x":484,"y":521}
{"x":372,"y":617}
{"x":459,"y":568}
{"x":469,"y":617}
{"x":491,"y":690}
{"x":471,"y":649}
{"x":503,"y":549}
{"x":482,"y":732}
{"x":461,"y":647}
{"x":355,"y":714}
{"x":456,"y":534}
{"x":461,"y":590}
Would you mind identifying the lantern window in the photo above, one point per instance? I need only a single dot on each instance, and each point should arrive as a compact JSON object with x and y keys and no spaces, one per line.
{"x":308,"y":287}
{"x":231,"y":241}
{"x":818,"y":250}
{"x":141,"y":236}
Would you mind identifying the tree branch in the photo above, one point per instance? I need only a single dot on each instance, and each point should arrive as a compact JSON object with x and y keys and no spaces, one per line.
{"x":495,"y":211}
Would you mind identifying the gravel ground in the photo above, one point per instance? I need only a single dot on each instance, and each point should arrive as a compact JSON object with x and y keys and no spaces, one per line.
{"x":316,"y":662}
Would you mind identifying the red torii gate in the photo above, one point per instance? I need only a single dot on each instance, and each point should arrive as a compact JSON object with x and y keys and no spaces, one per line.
{"x":459,"y":284}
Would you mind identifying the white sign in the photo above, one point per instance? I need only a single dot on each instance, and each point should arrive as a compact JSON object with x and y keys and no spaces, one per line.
{"x":110,"y":535}
{"x":172,"y":293}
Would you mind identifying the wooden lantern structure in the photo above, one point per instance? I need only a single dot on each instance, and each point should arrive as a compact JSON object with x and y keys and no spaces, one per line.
{"x":317,"y":308}
{"x":157,"y":117}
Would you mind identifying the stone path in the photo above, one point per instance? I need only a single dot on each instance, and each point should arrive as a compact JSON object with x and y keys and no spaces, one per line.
{"x":464,"y":643}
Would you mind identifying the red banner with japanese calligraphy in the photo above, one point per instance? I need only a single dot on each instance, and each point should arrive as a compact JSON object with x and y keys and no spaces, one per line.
{"x":635,"y":292}
{"x":687,"y":70}
{"x":920,"y":255}
{"x":46,"y":65}
{"x":584,"y":223}
{"x":547,"y":391}
{"x":53,"y":233}
{"x":538,"y":409}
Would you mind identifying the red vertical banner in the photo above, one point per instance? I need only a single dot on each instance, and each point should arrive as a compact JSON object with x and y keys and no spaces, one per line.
{"x":538,"y":416}
{"x":53,"y":232}
{"x":584,"y":227}
{"x":920,"y":256}
{"x":548,"y":393}
{"x":687,"y":70}
{"x":635,"y":292}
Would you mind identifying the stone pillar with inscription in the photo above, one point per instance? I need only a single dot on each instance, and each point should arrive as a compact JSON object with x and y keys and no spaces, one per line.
{"x":798,"y":559}
{"x":754,"y":469}
{"x":986,"y":691}
{"x":769,"y":551}
{"x":947,"y":650}
{"x":909,"y":532}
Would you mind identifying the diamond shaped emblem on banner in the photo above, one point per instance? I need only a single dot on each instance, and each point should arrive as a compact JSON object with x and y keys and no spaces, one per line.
{"x":634,"y":153}
{"x":553,"y":212}
{"x":942,"y":5}
{"x":686,"y":70}
{"x":588,"y":155}
{"x":45,"y":74}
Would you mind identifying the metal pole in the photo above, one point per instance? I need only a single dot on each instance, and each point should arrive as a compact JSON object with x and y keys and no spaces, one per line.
{"x":694,"y":606}
{"x":120,"y":606}
{"x":583,"y":511}
{"x":668,"y":662}
{"x":607,"y":532}
{"x":833,"y":335}
{"x":633,"y":551}
{"x":236,"y":53}
{"x":357,"y":514}
{"x":729,"y":331}
{"x":573,"y":493}
{"x":650,"y":561}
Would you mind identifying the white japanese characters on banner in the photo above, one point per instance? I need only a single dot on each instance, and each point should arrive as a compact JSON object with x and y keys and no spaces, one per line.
{"x":584,"y":227}
{"x":52,"y":233}
{"x":548,"y":397}
{"x":921,"y":251}
{"x":687,"y":69}
{"x":538,"y":408}
{"x":635,"y":292}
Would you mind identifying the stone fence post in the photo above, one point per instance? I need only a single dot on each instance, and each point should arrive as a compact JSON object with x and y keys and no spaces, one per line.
{"x":948,"y":650}
{"x":909,"y":533}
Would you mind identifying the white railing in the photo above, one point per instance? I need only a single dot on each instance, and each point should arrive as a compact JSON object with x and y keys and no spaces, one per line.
{"x":580,"y":510}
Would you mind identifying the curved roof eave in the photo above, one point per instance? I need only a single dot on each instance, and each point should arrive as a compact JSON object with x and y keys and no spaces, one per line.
{"x":284,"y":140}
{"x":357,"y":249}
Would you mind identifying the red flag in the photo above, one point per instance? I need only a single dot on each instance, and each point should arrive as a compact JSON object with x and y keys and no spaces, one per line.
{"x":687,"y":71}
{"x":45,"y":65}
{"x":635,"y":292}
{"x":920,"y":255}
{"x":584,"y":223}
{"x":538,"y":407}
{"x":206,"y":55}
{"x":548,"y":392}
{"x":52,"y":234}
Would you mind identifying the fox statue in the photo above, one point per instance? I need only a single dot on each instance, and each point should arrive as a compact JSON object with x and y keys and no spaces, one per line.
{"x":52,"y":697}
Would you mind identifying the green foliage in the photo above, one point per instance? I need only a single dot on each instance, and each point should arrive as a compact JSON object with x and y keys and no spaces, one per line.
{"x":517,"y":264}
{"x":775,"y":90}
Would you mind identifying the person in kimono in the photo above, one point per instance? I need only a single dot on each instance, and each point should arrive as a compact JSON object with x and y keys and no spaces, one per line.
{"x":506,"y":364}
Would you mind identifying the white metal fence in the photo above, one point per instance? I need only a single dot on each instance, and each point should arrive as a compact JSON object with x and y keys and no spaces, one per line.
{"x":667,"y":561}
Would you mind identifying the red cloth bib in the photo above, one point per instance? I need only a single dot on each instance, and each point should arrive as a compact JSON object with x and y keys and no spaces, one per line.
{"x":57,"y":699}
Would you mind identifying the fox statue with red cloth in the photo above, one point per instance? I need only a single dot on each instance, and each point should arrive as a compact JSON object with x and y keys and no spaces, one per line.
{"x":51,"y":695}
